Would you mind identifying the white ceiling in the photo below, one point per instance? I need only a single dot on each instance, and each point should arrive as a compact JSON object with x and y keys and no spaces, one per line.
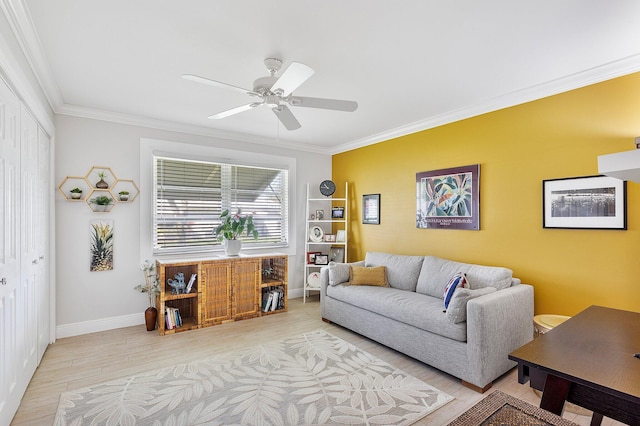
{"x":410,"y":64}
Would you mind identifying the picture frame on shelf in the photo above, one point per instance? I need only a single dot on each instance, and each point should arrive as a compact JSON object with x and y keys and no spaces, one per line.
{"x":311,"y":257}
{"x":337,"y":213}
{"x":319,"y":214}
{"x":371,"y":209}
{"x":330,"y":238}
{"x":322,"y":259}
{"x":588,"y":202}
{"x":336,"y":254}
{"x":316,"y":234}
{"x":341,"y":236}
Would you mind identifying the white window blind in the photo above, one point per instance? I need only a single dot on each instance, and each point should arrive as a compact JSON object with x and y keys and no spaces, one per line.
{"x":189,"y":197}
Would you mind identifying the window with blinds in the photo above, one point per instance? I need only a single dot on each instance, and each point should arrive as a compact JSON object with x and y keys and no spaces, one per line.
{"x":189,"y":197}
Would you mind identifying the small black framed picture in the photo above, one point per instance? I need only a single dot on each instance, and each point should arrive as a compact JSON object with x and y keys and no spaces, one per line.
{"x":371,"y":209}
{"x":322,"y":259}
{"x":337,"y":213}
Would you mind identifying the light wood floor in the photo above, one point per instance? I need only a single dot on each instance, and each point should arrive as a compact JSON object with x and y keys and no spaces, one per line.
{"x":78,"y":361}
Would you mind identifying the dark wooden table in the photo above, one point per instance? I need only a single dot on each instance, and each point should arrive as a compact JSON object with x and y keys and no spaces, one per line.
{"x":587,"y":360}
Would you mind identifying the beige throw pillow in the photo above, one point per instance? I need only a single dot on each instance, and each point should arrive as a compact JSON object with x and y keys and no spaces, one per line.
{"x":363,"y":275}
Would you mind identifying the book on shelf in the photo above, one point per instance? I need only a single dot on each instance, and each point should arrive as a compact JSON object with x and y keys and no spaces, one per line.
{"x":191,"y":281}
{"x":266,"y":302}
{"x":172,"y":318}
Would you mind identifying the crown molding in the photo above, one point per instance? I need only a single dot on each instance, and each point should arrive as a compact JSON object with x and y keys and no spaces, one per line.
{"x":22,"y":27}
{"x":170,"y":126}
{"x":585,"y":78}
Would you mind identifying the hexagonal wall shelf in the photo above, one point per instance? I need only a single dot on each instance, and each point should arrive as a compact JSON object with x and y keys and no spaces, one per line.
{"x":99,"y":182}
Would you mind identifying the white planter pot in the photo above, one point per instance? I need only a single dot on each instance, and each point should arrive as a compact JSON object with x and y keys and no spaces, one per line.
{"x":232,"y":247}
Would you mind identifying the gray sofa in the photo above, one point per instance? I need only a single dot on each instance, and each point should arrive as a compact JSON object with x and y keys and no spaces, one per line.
{"x":470,"y":341}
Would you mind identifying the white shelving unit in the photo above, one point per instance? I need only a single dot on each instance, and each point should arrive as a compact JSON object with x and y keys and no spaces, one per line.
{"x":330,"y":226}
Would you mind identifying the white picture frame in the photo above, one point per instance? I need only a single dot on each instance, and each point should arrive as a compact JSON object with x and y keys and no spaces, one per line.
{"x":316,"y":234}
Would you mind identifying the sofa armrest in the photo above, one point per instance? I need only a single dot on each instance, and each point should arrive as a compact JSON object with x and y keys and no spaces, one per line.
{"x":497,"y":324}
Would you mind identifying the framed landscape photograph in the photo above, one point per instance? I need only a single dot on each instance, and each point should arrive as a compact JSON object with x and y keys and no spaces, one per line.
{"x":448,"y":198}
{"x":371,"y":209}
{"x":589,"y":202}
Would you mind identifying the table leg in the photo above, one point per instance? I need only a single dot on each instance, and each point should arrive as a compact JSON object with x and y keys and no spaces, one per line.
{"x":555,"y":394}
{"x":596,"y":419}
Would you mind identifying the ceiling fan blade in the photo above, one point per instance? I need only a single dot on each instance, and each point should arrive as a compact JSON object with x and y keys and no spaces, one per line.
{"x":286,"y":117}
{"x":333,"y":104}
{"x":233,"y":111}
{"x":295,"y":74}
{"x":214,"y":83}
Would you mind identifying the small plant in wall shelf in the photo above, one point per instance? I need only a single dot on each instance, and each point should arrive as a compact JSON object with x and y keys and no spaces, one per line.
{"x":124,"y":195}
{"x":102,"y":184}
{"x":101,"y":202}
{"x":76,"y":193}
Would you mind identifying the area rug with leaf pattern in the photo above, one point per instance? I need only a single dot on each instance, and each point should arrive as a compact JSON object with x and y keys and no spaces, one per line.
{"x":314,"y":378}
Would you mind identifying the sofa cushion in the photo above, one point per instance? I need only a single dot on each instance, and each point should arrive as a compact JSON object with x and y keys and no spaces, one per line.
{"x":368,"y":275}
{"x":418,"y":310}
{"x":339,"y":272}
{"x":459,"y":280}
{"x":457,"y":310}
{"x":402,"y":271}
{"x":436,"y":272}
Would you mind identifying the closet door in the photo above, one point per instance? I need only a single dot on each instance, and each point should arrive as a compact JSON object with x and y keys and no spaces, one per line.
{"x":29,"y":239}
{"x":42,"y":220}
{"x":11,"y":298}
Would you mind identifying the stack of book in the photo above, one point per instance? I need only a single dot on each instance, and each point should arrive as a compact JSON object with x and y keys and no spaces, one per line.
{"x":172,"y":318}
{"x":272,"y":299}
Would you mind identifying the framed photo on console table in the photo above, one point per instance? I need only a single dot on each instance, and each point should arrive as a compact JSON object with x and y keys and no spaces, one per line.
{"x":589,"y":202}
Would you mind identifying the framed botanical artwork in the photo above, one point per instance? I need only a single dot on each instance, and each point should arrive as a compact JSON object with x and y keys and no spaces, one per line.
{"x":448,"y":198}
{"x":589,"y":202}
{"x":322,"y":259}
{"x":311,"y":256}
{"x":371,"y":209}
{"x":336,"y":254}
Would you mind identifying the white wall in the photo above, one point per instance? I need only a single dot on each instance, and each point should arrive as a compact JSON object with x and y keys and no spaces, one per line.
{"x":93,"y":301}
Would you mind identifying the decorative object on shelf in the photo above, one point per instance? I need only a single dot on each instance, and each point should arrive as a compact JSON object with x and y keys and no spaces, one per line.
{"x":371,"y":209}
{"x":330,"y":238}
{"x":102,"y":184}
{"x":313,"y":280}
{"x":316,"y":234}
{"x":76,"y":193}
{"x":152,"y":288}
{"x":327,"y":188}
{"x":341,"y":236}
{"x":589,"y":202}
{"x":231,"y":228}
{"x":322,"y":259}
{"x":124,"y":195}
{"x":101,"y":245}
{"x":311,"y":257}
{"x":178,"y":285}
{"x":337,"y":213}
{"x":101,"y":202}
{"x":319,"y":214}
{"x":449,"y":198}
{"x":336,"y":254}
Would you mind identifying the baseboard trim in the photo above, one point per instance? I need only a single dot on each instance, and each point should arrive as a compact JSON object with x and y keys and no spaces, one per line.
{"x":103,"y":324}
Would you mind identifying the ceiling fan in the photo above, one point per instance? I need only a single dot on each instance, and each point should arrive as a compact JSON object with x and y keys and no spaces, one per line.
{"x":276,"y":92}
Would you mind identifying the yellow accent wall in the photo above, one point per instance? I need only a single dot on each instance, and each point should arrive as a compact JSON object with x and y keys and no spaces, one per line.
{"x":517,"y":148}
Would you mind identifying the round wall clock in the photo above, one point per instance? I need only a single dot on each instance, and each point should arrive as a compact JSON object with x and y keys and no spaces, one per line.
{"x":327,"y":188}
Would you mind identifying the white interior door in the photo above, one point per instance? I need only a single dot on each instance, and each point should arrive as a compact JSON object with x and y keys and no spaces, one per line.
{"x":42,"y":209}
{"x":29,"y":239}
{"x":11,"y":299}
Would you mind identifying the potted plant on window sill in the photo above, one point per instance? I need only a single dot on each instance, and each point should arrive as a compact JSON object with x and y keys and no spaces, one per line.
{"x":231,"y":228}
{"x":152,"y":288}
